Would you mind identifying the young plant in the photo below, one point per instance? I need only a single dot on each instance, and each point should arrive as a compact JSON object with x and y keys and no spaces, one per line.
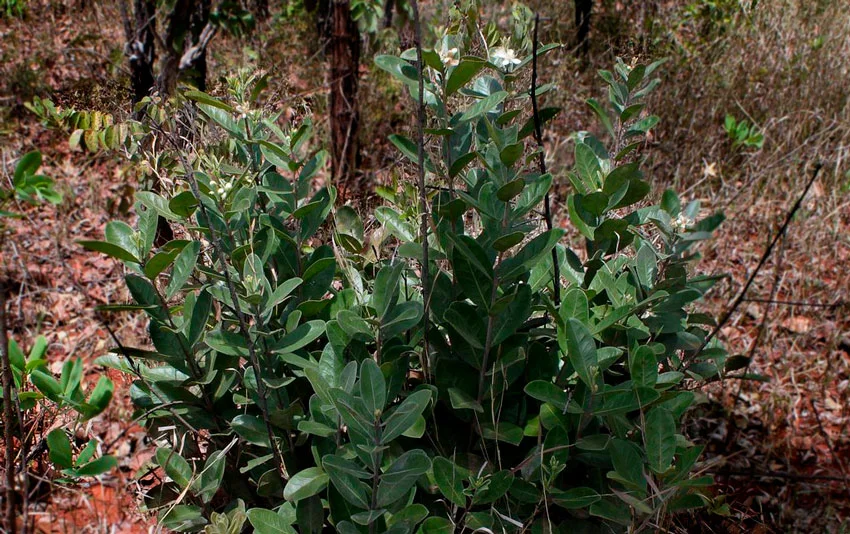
{"x":742,"y":133}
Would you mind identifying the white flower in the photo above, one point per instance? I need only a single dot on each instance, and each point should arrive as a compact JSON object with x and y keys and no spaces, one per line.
{"x":220,"y":191}
{"x":504,"y":58}
{"x":681,"y":222}
{"x":228,"y":186}
{"x":448,"y":56}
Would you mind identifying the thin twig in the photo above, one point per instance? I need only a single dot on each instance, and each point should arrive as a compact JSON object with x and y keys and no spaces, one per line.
{"x":541,"y":163}
{"x":243,"y":325}
{"x":740,"y":298}
{"x":838,"y":304}
{"x":8,"y":415}
{"x":762,"y":326}
{"x":423,"y":198}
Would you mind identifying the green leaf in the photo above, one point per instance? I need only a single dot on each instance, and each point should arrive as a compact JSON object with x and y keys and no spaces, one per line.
{"x":401,"y":476}
{"x":529,"y":255}
{"x":27,"y":165}
{"x":305,"y":483}
{"x":267,"y":522}
{"x":184,"y":265}
{"x":251,"y":429}
{"x":211,"y":476}
{"x":507,"y":432}
{"x":60,"y":449}
{"x":175,"y":466}
{"x":359,"y":427}
{"x":373,"y":387}
{"x":385,"y":293}
{"x":462,"y":73}
{"x":402,"y":318}
{"x":449,"y":478}
{"x":473,"y":270}
{"x":463,"y":401}
{"x":509,"y":155}
{"x":546,"y":391}
{"x":436,"y":525}
{"x":660,"y":438}
{"x":511,"y":189}
{"x":405,"y":415}
{"x":497,"y":486}
{"x":47,"y":385}
{"x":460,"y":163}
{"x":507,"y":241}
{"x":300,"y":337}
{"x":204,"y":98}
{"x":159,"y":262}
{"x":580,"y":347}
{"x":603,"y":116}
{"x":411,"y":151}
{"x":575,"y":498}
{"x":96,"y":467}
{"x":109,"y":249}
{"x":121,"y":234}
{"x":182,"y":518}
{"x":155,"y":202}
{"x":344,"y":475}
{"x":644,"y":367}
{"x":513,"y":316}
{"x":628,"y":464}
{"x":183,"y":204}
{"x":99,"y":398}
{"x":483,"y":106}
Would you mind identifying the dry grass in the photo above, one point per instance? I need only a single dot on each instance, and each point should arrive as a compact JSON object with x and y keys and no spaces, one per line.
{"x":784,"y":66}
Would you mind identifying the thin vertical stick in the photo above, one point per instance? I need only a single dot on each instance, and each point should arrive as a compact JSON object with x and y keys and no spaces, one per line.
{"x":541,"y":162}
{"x":423,"y":199}
{"x":740,"y":298}
{"x":8,"y":415}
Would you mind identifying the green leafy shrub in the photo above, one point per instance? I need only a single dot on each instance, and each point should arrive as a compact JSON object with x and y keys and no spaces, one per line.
{"x":742,"y":133}
{"x":299,"y":379}
{"x":33,"y":388}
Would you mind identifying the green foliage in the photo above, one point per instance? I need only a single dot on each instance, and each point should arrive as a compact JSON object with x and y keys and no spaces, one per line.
{"x":742,"y":133}
{"x":27,"y":186}
{"x":13,"y":8}
{"x":304,"y":379}
{"x":35,"y":385}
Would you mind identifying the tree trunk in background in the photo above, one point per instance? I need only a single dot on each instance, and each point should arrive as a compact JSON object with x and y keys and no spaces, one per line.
{"x":583,"y":11}
{"x":260,"y":9}
{"x":140,"y":47}
{"x":388,"y":13}
{"x":197,"y":71}
{"x":344,"y":115}
{"x":185,"y":24}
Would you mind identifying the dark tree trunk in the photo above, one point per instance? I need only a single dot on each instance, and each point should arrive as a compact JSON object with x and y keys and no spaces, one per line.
{"x":583,"y":11}
{"x":140,"y":47}
{"x":388,"y":13}
{"x":260,"y":9}
{"x":197,"y":71}
{"x":186,"y":22}
{"x":344,"y":116}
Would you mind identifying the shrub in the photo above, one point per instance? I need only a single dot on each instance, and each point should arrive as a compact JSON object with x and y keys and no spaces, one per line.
{"x":300,"y":378}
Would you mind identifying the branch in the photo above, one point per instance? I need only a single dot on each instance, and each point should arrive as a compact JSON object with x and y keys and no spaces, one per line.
{"x":243,"y":325}
{"x":423,"y":198}
{"x":541,"y":163}
{"x":194,"y":52}
{"x":740,"y":298}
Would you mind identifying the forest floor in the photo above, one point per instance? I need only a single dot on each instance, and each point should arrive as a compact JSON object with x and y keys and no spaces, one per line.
{"x":779,"y":448}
